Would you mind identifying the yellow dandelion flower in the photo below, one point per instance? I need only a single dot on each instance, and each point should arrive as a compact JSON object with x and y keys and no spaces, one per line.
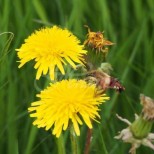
{"x":64,"y":102}
{"x":51,"y":47}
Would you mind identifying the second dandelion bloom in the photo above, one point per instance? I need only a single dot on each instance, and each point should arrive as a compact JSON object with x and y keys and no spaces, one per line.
{"x":50,"y":48}
{"x":67,"y":102}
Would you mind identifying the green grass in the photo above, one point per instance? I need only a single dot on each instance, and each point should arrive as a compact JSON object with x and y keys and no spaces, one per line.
{"x":127,"y":23}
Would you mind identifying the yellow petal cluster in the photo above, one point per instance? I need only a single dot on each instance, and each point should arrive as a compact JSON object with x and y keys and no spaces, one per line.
{"x":50,"y":48}
{"x":65,"y":102}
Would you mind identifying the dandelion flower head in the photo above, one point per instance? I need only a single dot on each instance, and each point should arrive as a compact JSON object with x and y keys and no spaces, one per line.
{"x":96,"y":40}
{"x":50,"y":48}
{"x":68,"y":101}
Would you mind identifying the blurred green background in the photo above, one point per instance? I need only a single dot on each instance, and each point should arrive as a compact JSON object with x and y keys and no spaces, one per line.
{"x":128,"y":23}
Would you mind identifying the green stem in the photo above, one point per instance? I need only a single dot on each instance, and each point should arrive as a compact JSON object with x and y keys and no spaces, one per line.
{"x":104,"y":149}
{"x":73,"y":141}
{"x":60,"y":145}
{"x":104,"y":57}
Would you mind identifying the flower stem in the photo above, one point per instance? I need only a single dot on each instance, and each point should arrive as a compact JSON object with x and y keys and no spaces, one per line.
{"x":88,"y":141}
{"x":60,"y":145}
{"x":73,"y":141}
